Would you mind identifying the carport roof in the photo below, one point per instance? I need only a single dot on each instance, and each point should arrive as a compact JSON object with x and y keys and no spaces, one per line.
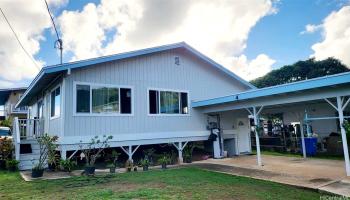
{"x":326,"y":81}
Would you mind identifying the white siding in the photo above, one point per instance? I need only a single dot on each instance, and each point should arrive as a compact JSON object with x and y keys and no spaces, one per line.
{"x":151,"y":71}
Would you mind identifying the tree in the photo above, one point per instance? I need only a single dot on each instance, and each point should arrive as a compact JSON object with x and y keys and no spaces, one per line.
{"x":300,"y":70}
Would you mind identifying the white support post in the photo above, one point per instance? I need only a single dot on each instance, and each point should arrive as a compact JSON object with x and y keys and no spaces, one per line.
{"x":181,"y":159}
{"x":302,"y":138}
{"x":257,"y":140}
{"x":343,"y":135}
{"x":63,"y":153}
{"x":17,"y":137}
{"x":130,"y":153}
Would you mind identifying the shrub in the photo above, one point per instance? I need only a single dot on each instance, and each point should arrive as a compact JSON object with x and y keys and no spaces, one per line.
{"x":6,"y":148}
{"x":12,"y":165}
{"x":46,"y":144}
{"x":93,"y":150}
{"x":67,"y":165}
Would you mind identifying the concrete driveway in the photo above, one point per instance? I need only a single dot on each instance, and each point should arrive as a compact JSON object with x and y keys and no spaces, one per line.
{"x":321,"y":174}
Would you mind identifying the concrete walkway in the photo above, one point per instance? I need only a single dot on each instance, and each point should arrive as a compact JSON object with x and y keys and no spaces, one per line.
{"x":320,"y":174}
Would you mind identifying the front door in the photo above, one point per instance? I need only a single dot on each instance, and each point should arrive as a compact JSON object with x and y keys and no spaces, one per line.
{"x":243,"y":136}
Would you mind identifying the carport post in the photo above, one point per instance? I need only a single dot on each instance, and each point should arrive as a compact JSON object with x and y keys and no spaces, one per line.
{"x":343,"y":134}
{"x":257,"y":140}
{"x":302,"y":139}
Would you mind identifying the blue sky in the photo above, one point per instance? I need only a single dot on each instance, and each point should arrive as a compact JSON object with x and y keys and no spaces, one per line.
{"x":248,"y":37}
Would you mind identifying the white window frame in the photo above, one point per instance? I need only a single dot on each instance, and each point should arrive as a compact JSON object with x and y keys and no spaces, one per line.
{"x":167,"y":114}
{"x":77,"y":114}
{"x":50,"y":94}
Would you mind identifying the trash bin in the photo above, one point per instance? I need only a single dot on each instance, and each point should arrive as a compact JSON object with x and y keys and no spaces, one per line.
{"x":310,"y":146}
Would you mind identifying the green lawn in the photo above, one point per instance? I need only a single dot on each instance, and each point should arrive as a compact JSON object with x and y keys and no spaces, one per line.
{"x":182,"y":183}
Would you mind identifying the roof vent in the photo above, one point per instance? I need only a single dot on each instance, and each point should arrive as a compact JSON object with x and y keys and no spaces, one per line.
{"x":177,"y":60}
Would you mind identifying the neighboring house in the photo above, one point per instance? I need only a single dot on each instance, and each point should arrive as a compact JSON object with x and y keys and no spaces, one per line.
{"x":167,"y":94}
{"x":8,"y":99}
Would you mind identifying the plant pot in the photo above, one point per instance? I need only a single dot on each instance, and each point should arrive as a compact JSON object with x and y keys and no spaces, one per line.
{"x":129,"y":169}
{"x":36,"y":173}
{"x":52,"y":166}
{"x":145,"y":168}
{"x":135,"y":169}
{"x":89,"y":170}
{"x":112,"y":169}
{"x":188,"y":160}
{"x":12,"y":168}
{"x":163,"y":165}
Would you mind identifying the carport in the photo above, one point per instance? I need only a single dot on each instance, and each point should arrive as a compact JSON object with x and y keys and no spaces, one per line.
{"x":331,"y":91}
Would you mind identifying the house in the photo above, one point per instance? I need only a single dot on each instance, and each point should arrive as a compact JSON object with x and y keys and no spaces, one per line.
{"x":169,"y":94}
{"x":140,"y":97}
{"x":8,"y":100}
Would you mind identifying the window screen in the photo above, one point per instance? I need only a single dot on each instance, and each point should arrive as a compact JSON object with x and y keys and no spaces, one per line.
{"x":153,"y":102}
{"x":125,"y":100}
{"x":56,"y":102}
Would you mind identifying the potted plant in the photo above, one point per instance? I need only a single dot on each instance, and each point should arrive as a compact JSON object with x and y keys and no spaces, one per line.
{"x":92,"y":151}
{"x":149,"y":155}
{"x":164,"y":160}
{"x":12,"y":165}
{"x":45,"y":142}
{"x":67,"y":165}
{"x":128,"y":165}
{"x":145,"y":164}
{"x":37,"y":171}
{"x":113,"y":158}
{"x":188,"y":152}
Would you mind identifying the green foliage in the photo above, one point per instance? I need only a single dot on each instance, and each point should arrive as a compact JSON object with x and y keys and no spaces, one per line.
{"x":6,"y":148}
{"x":7,"y":123}
{"x":93,"y":150}
{"x":12,"y":165}
{"x":300,"y":70}
{"x":188,"y":151}
{"x":164,"y":159}
{"x":67,"y":165}
{"x":47,"y":144}
{"x":144,"y":162}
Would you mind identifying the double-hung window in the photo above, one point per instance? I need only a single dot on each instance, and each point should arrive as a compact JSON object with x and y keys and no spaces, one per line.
{"x":102,"y":99}
{"x":168,"y":102}
{"x":55,"y":102}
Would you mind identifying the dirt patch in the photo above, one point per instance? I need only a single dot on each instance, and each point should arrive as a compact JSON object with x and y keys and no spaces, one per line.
{"x":320,"y":180}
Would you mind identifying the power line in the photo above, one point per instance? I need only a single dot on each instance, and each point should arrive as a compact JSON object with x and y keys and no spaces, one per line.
{"x":19,"y":42}
{"x":58,"y":42}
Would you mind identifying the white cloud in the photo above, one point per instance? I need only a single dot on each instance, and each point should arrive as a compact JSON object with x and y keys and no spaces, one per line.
{"x":29,"y":21}
{"x":219,"y":29}
{"x":249,"y":70}
{"x":336,"y":37}
{"x":311,"y":28}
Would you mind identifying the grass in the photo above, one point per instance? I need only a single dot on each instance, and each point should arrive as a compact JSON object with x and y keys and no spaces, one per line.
{"x":182,"y":183}
{"x":287,"y":154}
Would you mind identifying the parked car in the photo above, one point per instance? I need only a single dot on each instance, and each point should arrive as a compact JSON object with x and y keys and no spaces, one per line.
{"x":5,"y":132}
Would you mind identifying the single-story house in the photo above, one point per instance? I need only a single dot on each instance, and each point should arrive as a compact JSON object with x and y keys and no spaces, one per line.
{"x":167,"y":94}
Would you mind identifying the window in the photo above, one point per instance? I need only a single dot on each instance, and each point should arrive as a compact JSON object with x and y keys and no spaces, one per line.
{"x":102,"y":99}
{"x":56,"y":102}
{"x":83,"y":98}
{"x":167,"y":102}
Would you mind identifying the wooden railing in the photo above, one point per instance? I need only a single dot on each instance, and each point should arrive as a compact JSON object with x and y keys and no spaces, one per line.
{"x":30,"y":128}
